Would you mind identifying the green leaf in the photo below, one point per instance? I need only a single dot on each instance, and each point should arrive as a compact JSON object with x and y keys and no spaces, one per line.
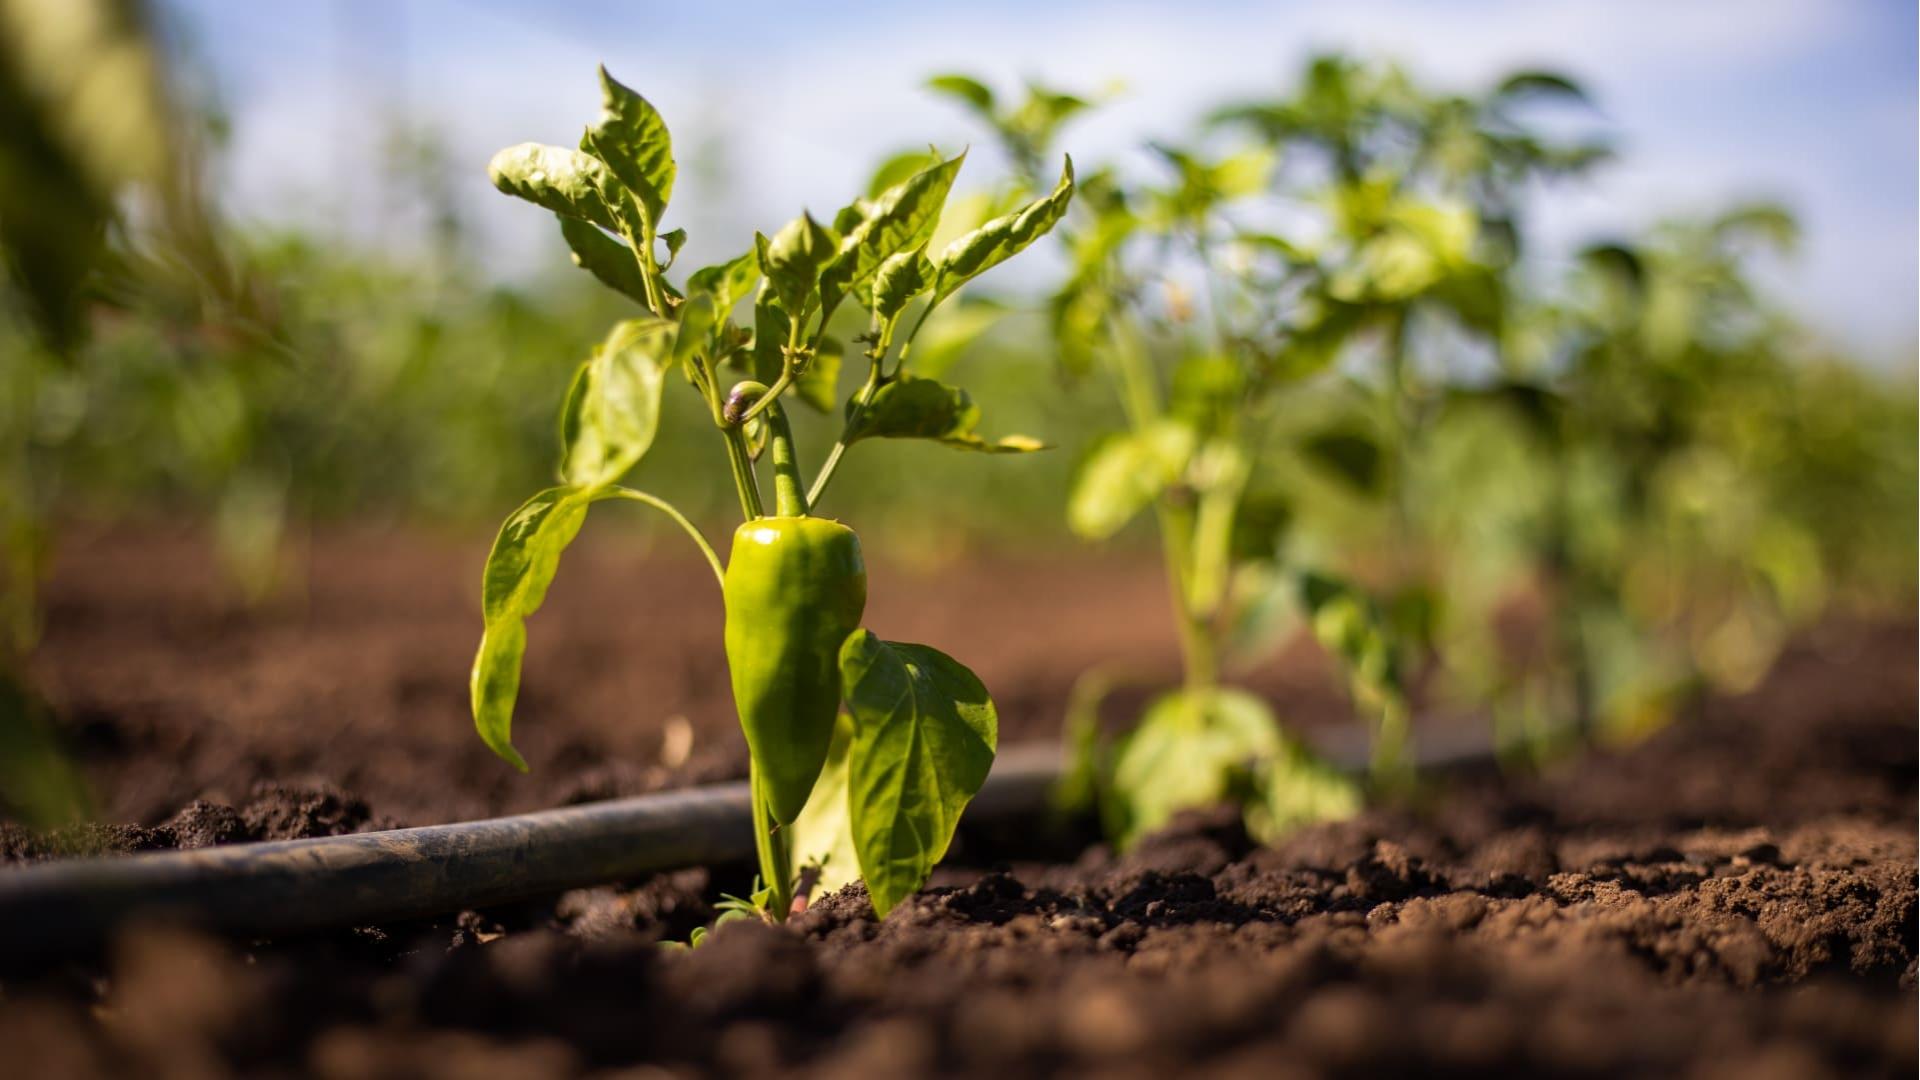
{"x":1296,"y":787}
{"x":771,"y":327}
{"x":728,"y":282}
{"x":519,"y":569}
{"x":823,"y":833}
{"x":819,"y":384}
{"x":612,"y":411}
{"x":916,"y":408}
{"x":968,"y":91}
{"x":1124,"y":474}
{"x":794,"y":258}
{"x":694,"y":335}
{"x":1352,"y":455}
{"x":901,"y":219}
{"x":898,"y":168}
{"x":610,"y":260}
{"x":1539,"y":84}
{"x":944,"y":337}
{"x":1191,"y":750}
{"x":675,"y":240}
{"x":632,"y":139}
{"x":924,"y":736}
{"x":898,"y":280}
{"x":1349,"y":625}
{"x":998,"y":240}
{"x":567,"y":182}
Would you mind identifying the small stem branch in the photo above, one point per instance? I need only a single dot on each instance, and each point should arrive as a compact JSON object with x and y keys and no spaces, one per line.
{"x":744,"y":482}
{"x":667,"y":508}
{"x":774,"y":846}
{"x":789,"y":492}
{"x":860,"y":399}
{"x":642,"y":246}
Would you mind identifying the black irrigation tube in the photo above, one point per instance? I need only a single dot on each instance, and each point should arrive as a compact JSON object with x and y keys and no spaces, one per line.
{"x":292,"y":886}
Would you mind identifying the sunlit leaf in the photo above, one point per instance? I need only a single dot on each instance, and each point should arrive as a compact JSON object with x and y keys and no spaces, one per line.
{"x":564,"y":181}
{"x":973,"y":254}
{"x":632,"y":140}
{"x":918,"y":408}
{"x":900,"y":219}
{"x":1124,"y":474}
{"x":607,"y":259}
{"x":924,"y":734}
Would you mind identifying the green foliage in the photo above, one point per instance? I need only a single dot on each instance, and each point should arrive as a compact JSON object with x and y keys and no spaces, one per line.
{"x":1001,"y":239}
{"x":924,"y":733}
{"x":916,"y":408}
{"x":1198,"y":747}
{"x":632,"y":140}
{"x":923,"y":728}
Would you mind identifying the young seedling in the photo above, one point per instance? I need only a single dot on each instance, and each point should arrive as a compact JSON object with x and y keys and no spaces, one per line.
{"x":923,"y":728}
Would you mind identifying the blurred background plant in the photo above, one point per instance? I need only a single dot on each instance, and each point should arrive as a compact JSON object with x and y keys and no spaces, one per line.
{"x":1567,"y":494}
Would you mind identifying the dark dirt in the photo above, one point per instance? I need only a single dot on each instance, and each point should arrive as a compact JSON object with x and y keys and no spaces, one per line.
{"x":1736,"y":896}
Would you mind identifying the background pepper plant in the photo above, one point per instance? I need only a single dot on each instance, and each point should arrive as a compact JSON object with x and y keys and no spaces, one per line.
{"x":923,"y":729}
{"x":1277,"y":320}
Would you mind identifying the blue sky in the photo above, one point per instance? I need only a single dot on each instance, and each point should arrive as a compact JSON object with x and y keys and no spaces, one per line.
{"x":1811,"y":102}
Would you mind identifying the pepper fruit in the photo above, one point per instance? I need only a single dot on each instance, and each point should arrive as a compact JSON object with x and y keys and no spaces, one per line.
{"x":795,"y":588}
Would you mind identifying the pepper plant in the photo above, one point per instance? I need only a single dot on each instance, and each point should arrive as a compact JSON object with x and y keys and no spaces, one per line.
{"x":922,"y":728}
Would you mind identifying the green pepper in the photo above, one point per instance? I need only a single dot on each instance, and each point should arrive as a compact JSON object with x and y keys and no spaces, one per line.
{"x":795,"y":588}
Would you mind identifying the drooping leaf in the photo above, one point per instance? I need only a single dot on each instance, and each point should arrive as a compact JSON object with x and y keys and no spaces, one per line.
{"x":916,"y":408}
{"x":924,"y":737}
{"x":567,"y":182}
{"x":976,"y":252}
{"x":520,"y":567}
{"x":902,"y":218}
{"x":610,"y":260}
{"x":613,"y":409}
{"x":793,"y":259}
{"x":1124,"y":474}
{"x":632,"y":140}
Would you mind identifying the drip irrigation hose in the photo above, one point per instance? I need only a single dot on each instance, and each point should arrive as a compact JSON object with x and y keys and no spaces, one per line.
{"x":75,"y":906}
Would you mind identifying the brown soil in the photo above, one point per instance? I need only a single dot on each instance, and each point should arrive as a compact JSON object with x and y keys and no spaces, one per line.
{"x":357,"y":681}
{"x":1736,"y":896}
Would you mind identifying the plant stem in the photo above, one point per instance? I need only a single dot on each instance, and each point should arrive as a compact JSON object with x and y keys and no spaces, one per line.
{"x":1141,"y":403}
{"x":642,"y":246}
{"x":876,"y":366}
{"x":667,"y":508}
{"x":1197,"y":654}
{"x":787,"y":365}
{"x":744,"y":482}
{"x":774,"y":846}
{"x":839,"y":450}
{"x":789,"y":492}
